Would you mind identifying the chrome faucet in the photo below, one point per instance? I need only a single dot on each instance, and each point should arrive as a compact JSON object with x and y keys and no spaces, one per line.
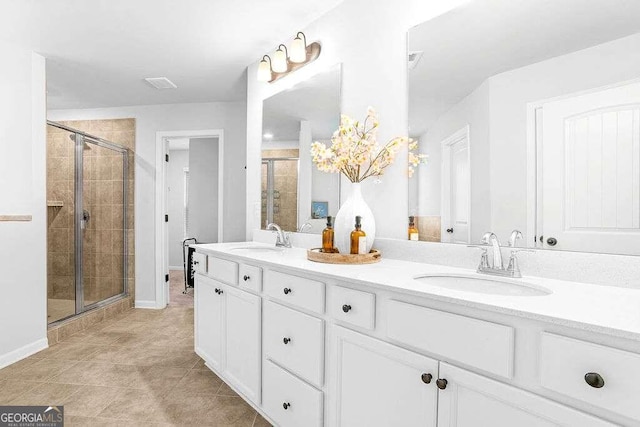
{"x":304,"y":227}
{"x":282,"y":241}
{"x":496,"y":267}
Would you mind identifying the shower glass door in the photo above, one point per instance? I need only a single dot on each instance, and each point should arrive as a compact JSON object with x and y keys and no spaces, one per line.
{"x":102,"y":223}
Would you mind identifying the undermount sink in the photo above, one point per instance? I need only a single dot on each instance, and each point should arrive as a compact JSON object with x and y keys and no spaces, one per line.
{"x":484,"y":285}
{"x":258,"y":249}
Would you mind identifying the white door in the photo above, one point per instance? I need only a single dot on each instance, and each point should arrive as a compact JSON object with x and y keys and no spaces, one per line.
{"x":209,"y":314}
{"x":471,"y":400}
{"x":243,"y":313}
{"x":378,"y":384}
{"x":591,"y":171}
{"x":456,"y":188}
{"x":165,"y":228}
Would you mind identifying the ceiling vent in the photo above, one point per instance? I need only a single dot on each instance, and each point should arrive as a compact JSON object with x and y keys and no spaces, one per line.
{"x":161,"y":83}
{"x":414,"y":58}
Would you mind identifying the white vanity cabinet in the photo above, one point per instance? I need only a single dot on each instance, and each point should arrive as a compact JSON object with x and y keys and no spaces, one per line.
{"x":313,"y":350}
{"x":228,"y":333}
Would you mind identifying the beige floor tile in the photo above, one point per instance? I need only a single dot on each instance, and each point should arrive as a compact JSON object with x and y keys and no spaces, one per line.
{"x":71,"y":351}
{"x":206,"y":411}
{"x":76,"y":421}
{"x":198,"y":383}
{"x":89,"y":401}
{"x":46,"y":394}
{"x":44,"y":369}
{"x":136,"y":405}
{"x":12,"y":389}
{"x":7,"y":372}
{"x":261,"y":422}
{"x":225,"y":390}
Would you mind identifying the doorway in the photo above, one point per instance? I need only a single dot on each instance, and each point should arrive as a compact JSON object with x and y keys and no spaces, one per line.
{"x":189,"y":206}
{"x":456,"y":188}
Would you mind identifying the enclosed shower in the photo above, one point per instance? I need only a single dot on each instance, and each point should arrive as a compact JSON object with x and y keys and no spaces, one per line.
{"x":87,"y":200}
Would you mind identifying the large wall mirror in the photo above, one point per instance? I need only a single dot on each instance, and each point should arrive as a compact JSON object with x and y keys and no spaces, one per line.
{"x":529,"y":112}
{"x":295,"y":195}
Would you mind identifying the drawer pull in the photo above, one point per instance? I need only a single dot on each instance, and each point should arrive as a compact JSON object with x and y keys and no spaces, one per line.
{"x":246,"y":278}
{"x":346,"y":308}
{"x":286,"y":405}
{"x":594,"y":379}
{"x":441,"y":383}
{"x":426,"y":378}
{"x":287,"y":291}
{"x":286,"y":340}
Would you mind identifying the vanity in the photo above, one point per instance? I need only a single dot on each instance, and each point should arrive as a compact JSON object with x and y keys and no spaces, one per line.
{"x":311,"y":344}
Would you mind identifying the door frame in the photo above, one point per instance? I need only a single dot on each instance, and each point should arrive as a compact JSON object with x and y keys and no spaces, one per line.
{"x":445,"y":197}
{"x":161,"y":229}
{"x":534,"y":152}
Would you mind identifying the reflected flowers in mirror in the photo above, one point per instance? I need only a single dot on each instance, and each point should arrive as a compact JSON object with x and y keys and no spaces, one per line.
{"x":415,"y":157}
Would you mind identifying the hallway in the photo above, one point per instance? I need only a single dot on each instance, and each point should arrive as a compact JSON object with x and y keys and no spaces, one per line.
{"x":136,"y":370}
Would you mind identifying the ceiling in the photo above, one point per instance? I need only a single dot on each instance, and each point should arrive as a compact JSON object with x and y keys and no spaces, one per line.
{"x":99,"y":51}
{"x":316,"y":100}
{"x":466,"y":46}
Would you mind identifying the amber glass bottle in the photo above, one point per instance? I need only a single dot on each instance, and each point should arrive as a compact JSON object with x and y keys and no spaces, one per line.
{"x":327,"y":237}
{"x":413,"y":230}
{"x":358,"y":238}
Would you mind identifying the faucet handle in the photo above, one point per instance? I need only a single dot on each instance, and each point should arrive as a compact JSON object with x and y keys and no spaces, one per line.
{"x":513,"y":268}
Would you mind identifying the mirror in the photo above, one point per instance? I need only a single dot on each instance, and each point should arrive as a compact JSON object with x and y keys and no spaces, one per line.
{"x":295,"y":195}
{"x":529,"y":113}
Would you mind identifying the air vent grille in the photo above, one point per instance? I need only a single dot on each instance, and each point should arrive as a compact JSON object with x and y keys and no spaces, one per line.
{"x":161,"y":83}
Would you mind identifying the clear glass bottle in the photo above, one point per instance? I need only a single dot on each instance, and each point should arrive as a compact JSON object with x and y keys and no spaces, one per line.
{"x":327,"y":236}
{"x":414,"y":234}
{"x":358,"y":238}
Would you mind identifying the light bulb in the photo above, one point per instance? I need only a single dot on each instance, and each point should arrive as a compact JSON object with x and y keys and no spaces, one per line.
{"x":279,"y":63}
{"x":298,"y":49}
{"x":264,"y":70}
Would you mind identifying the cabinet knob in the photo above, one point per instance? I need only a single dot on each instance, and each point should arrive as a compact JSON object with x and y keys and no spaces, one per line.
{"x":449,"y":230}
{"x":594,"y":379}
{"x":286,"y":341}
{"x":426,"y":378}
{"x":196,"y":262}
{"x":346,"y":308}
{"x":287,"y":291}
{"x":246,"y":278}
{"x":441,"y":383}
{"x":286,"y":405}
{"x":217,"y":291}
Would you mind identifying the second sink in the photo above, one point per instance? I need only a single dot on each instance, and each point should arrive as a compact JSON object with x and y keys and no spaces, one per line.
{"x":482,"y":285}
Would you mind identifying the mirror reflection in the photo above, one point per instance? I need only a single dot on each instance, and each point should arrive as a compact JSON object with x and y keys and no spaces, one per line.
{"x":529,"y":113}
{"x":295,"y":195}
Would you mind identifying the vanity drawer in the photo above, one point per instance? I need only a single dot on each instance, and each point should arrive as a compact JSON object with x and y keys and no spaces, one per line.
{"x":295,"y":290}
{"x":250,"y":277}
{"x":223,"y":270}
{"x":288,"y":400}
{"x":200,"y":263}
{"x":351,"y":306}
{"x":295,"y":341}
{"x":564,"y":362}
{"x":478,"y":343}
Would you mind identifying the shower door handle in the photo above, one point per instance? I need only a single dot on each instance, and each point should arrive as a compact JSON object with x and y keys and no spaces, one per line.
{"x":86,"y":217}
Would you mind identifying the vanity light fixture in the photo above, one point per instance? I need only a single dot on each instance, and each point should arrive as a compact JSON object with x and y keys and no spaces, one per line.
{"x":288,"y":60}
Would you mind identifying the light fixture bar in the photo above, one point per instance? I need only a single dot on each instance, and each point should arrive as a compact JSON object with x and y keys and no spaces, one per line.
{"x":286,"y":60}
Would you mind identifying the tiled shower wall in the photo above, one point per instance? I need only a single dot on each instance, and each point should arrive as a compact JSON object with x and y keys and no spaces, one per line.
{"x":103,"y":189}
{"x":286,"y":188}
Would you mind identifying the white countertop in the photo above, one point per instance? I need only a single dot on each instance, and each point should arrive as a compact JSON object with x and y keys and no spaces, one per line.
{"x":604,"y":309}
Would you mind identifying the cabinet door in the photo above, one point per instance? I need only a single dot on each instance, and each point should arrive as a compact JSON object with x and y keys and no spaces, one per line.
{"x":243,"y":357}
{"x":470,"y":400}
{"x":209,"y":306}
{"x":374,"y":383}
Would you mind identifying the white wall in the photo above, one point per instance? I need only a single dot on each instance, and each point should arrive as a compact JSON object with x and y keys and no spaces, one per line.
{"x":178,"y":160}
{"x":368,"y":78}
{"x":203,"y":189}
{"x":229,"y":116}
{"x":23,"y":262}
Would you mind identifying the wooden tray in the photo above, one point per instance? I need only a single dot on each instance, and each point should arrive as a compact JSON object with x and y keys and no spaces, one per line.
{"x":337,"y":258}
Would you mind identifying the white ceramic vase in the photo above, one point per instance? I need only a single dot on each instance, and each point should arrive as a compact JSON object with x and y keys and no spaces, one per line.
{"x":345,"y":220}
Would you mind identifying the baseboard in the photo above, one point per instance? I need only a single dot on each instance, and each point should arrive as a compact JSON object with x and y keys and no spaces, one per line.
{"x":146,"y":304}
{"x":22,"y":352}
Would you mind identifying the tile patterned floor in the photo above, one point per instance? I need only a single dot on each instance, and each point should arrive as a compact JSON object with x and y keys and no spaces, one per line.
{"x":138,"y":369}
{"x":176,"y":297}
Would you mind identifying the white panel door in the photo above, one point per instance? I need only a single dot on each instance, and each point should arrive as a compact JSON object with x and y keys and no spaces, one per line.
{"x":243,"y":341}
{"x":591,"y":171}
{"x":470,"y":400}
{"x":209,"y":314}
{"x":456,"y":188}
{"x":378,"y":384}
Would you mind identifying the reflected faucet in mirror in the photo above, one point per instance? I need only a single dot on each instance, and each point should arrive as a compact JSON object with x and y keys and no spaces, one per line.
{"x":304,"y":227}
{"x":283,"y":240}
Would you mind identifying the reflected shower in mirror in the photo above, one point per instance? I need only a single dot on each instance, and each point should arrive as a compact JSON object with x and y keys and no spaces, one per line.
{"x":529,"y":113}
{"x":295,"y":195}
